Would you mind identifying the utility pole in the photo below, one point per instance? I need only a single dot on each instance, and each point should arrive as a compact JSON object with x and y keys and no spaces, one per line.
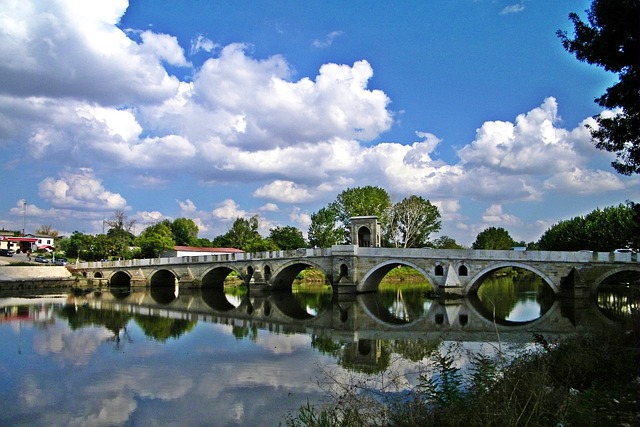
{"x":24,"y":216}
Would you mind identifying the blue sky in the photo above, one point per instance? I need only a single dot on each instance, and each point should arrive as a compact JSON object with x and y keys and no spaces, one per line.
{"x":213,"y":110}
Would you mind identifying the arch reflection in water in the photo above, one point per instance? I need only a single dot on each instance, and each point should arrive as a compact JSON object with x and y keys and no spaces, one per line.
{"x":618,"y":298}
{"x":313,"y":303}
{"x":513,"y":295}
{"x":300,"y":305}
{"x":397,"y":307}
{"x":400,"y":297}
{"x":224,"y":298}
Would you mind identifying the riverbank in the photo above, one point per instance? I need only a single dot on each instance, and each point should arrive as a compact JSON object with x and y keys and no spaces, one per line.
{"x":21,"y":277}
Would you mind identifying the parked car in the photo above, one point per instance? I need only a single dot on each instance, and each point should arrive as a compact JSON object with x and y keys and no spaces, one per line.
{"x":6,"y":252}
{"x":41,"y":259}
{"x":624,"y":251}
{"x":61,"y":261}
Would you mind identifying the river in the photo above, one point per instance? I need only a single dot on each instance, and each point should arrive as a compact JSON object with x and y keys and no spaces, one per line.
{"x":168,"y":357}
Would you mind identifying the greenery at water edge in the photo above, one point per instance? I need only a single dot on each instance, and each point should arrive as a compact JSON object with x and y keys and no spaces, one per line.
{"x":585,"y":380}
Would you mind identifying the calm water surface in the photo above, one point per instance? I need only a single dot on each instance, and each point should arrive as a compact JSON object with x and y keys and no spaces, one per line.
{"x":210,"y":359}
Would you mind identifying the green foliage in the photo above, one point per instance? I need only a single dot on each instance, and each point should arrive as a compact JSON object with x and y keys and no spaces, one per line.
{"x":260,"y":245}
{"x":444,"y":386}
{"x":163,"y":328}
{"x":243,"y":232}
{"x":601,"y":230}
{"x":360,"y":201}
{"x":326,"y":417}
{"x":410,"y":222}
{"x":324,"y":231}
{"x":76,"y":243}
{"x":244,"y":235}
{"x":185,"y":232}
{"x":446,"y":242}
{"x":287,"y":238}
{"x":493,"y":239}
{"x":155,"y":238}
{"x":610,"y":40}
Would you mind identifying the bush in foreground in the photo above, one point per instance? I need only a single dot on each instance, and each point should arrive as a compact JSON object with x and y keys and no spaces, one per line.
{"x":582,"y":381}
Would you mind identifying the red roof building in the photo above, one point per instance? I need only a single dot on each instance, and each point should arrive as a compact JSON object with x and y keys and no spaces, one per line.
{"x":180,"y":251}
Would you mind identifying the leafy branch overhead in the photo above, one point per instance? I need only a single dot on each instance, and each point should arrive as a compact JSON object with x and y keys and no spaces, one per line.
{"x":610,"y":39}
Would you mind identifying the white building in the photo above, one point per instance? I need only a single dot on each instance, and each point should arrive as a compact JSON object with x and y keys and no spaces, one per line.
{"x":180,"y":251}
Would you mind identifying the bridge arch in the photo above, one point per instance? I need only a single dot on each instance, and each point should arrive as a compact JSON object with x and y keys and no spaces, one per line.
{"x":605,"y":276}
{"x":214,"y":277}
{"x":120,"y":279}
{"x":163,"y":277}
{"x":283,"y":277}
{"x":472,"y":286}
{"x":372,"y":278}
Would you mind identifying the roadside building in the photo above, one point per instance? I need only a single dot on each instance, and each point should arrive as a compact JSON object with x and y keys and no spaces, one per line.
{"x":180,"y":251}
{"x":23,"y":244}
{"x":44,"y":242}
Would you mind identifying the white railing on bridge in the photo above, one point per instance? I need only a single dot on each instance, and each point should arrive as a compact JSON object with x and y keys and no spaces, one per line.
{"x":457,"y":254}
{"x":240,"y":256}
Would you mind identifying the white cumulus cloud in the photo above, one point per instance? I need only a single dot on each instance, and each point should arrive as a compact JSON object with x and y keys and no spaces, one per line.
{"x":80,"y":189}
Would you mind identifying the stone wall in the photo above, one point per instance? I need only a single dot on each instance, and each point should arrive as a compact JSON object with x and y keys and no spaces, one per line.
{"x":29,"y":273}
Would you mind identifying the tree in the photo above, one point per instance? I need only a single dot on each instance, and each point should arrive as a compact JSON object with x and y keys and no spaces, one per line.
{"x":260,"y":245}
{"x":610,"y":40}
{"x":360,"y":201}
{"x":493,"y":239}
{"x":600,"y":230}
{"x":47,"y":230}
{"x":120,"y":234}
{"x":184,"y":231}
{"x":119,"y":221}
{"x":78,"y":245}
{"x":155,"y":238}
{"x":287,"y":237}
{"x":324,"y":231}
{"x":409,"y":222}
{"x":243,"y":232}
{"x":244,"y":235}
{"x":446,"y":242}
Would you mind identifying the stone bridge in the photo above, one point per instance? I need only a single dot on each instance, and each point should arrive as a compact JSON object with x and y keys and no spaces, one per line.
{"x":354,"y":269}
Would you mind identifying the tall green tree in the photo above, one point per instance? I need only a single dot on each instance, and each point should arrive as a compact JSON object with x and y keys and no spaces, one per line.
{"x":155,"y":238}
{"x":244,"y":235}
{"x":360,"y":201}
{"x":184,"y":231}
{"x":493,"y":238}
{"x":324,"y":230}
{"x":410,"y":222}
{"x":287,"y":237}
{"x":610,"y":39}
{"x":600,"y":230}
{"x":78,"y":245}
{"x":120,"y":234}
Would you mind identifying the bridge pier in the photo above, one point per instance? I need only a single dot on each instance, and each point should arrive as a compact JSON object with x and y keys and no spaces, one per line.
{"x":574,"y":285}
{"x":452,"y":284}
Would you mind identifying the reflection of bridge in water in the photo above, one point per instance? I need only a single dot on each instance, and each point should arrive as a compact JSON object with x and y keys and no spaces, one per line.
{"x":353,"y":269}
{"x":351,"y":318}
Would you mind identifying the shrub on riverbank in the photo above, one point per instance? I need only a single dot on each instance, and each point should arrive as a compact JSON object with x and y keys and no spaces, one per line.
{"x":582,"y":381}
